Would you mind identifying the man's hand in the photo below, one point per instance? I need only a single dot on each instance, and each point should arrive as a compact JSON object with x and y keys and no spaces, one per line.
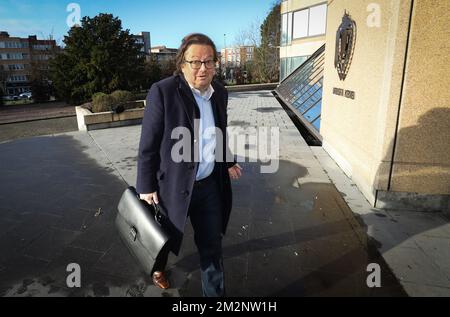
{"x":150,"y":198}
{"x":235,"y":171}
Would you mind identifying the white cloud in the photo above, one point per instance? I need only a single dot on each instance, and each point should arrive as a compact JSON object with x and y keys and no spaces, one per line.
{"x":23,"y":27}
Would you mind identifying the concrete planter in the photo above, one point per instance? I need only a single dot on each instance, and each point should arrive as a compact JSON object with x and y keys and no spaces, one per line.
{"x":88,"y":121}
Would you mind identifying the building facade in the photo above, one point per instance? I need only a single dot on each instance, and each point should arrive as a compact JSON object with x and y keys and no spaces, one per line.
{"x":385,"y":114}
{"x":236,"y":56}
{"x":303,"y":27}
{"x":19,"y":58}
{"x":143,"y":39}
{"x":163,"y":54}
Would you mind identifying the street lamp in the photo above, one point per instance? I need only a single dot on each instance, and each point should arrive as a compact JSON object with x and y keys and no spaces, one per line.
{"x":226,"y":56}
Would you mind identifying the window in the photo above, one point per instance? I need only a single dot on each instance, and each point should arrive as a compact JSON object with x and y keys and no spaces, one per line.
{"x":301,"y":21}
{"x":303,"y":89}
{"x":317,"y":20}
{"x":16,"y":67}
{"x":12,"y":44}
{"x":42,"y":47}
{"x":289,"y":64}
{"x":14,"y":56}
{"x":18,"y":78}
{"x":310,"y":22}
{"x":286,"y":29}
{"x":284,"y":39}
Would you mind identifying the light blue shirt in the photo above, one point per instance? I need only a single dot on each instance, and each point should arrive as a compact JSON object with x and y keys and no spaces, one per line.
{"x":207,"y":137}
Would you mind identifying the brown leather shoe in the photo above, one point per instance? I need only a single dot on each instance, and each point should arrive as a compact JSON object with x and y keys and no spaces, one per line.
{"x":160,"y":280}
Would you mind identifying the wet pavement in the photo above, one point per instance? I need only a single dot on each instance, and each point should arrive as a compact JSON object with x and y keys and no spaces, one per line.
{"x":291,"y":233}
{"x":304,"y":242}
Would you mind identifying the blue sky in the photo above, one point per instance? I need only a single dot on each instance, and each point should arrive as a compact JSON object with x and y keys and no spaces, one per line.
{"x":167,"y":20}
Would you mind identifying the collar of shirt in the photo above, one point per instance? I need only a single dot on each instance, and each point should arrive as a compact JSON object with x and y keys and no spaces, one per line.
{"x":206,"y":95}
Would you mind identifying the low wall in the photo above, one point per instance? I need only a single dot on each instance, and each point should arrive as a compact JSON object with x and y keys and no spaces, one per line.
{"x":88,"y":121}
{"x":254,"y":87}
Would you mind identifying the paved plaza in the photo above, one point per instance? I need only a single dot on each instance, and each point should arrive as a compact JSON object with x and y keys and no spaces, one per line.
{"x":304,"y":230}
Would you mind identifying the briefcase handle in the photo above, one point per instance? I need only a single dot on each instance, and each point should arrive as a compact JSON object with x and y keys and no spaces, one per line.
{"x":159,"y":214}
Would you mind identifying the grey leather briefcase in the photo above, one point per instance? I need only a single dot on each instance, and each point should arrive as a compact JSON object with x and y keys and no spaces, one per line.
{"x":139,"y":225}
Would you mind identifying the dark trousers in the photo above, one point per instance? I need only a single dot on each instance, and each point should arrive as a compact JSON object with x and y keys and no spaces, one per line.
{"x":205,"y":211}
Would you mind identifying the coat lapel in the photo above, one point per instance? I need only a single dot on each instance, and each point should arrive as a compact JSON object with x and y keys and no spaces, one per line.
{"x":189,"y":103}
{"x":191,"y":108}
{"x":218,"y":108}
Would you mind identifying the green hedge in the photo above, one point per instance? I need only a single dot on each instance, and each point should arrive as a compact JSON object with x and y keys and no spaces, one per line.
{"x":102,"y":102}
{"x":121,"y":96}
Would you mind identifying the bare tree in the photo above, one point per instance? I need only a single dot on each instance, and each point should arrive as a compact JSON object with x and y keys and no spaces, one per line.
{"x":265,"y":37}
{"x":249,"y":36}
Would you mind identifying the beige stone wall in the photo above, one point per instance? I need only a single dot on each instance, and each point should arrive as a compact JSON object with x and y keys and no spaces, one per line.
{"x":422,"y":154}
{"x":304,"y":47}
{"x":294,"y":5}
{"x":359,"y":134}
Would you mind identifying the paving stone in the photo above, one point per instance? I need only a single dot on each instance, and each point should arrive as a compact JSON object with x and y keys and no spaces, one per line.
{"x":118,"y":261}
{"x":437,"y":249}
{"x":412,"y":265}
{"x":50,"y":243}
{"x":56,"y":272}
{"x":421,"y":290}
{"x":20,"y":272}
{"x":98,"y":237}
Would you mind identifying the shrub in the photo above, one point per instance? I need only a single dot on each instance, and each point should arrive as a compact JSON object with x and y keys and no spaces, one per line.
{"x":102,"y":102}
{"x":118,"y":101}
{"x":121,"y":96}
{"x":97,"y":94}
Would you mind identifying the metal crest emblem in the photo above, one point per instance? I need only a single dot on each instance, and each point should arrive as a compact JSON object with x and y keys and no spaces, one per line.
{"x":345,"y":45}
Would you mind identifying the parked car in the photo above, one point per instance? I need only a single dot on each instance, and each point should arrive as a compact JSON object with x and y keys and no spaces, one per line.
{"x":10,"y":98}
{"x":26,"y":95}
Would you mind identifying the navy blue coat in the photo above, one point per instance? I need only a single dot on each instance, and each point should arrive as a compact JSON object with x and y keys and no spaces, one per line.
{"x":171,"y":104}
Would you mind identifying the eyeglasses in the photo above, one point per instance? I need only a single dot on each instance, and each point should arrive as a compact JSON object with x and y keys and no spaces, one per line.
{"x":209,"y":64}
